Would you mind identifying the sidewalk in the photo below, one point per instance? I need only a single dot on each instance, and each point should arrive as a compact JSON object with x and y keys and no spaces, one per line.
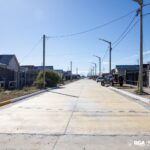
{"x":131,"y":95}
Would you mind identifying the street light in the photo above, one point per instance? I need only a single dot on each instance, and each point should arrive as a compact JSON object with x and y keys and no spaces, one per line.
{"x":140,"y":13}
{"x":110,"y":49}
{"x":92,"y":70}
{"x":99,"y":63}
{"x":95,"y":67}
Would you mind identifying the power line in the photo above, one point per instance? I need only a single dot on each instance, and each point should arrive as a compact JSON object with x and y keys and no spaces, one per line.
{"x":126,"y":29}
{"x":125,"y":34}
{"x":120,"y":37}
{"x":123,"y":37}
{"x":94,"y":28}
{"x":31,"y":50}
{"x":146,"y":14}
{"x":146,"y":4}
{"x":105,"y":54}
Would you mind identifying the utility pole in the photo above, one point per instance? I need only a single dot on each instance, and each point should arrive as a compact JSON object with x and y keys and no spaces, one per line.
{"x":44,"y":39}
{"x":71,"y":70}
{"x":110,"y":50}
{"x":140,"y":13}
{"x":99,"y":58}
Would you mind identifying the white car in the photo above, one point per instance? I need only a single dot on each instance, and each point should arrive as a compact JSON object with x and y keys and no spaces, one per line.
{"x":99,"y":79}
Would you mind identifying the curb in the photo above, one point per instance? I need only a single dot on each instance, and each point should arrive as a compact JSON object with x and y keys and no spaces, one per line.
{"x":131,"y":95}
{"x":25,"y":97}
{"x":5,"y":103}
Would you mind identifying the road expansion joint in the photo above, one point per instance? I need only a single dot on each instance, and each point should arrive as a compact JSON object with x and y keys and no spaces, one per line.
{"x":73,"y":110}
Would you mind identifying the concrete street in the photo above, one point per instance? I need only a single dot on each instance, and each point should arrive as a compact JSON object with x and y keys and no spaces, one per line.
{"x":79,"y":116}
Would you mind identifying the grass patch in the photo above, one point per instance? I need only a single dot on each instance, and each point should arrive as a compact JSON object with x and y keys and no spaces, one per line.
{"x":123,"y":87}
{"x":7,"y":95}
{"x":138,"y":92}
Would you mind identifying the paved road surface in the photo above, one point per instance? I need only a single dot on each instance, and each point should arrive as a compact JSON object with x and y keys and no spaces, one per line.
{"x":79,"y":116}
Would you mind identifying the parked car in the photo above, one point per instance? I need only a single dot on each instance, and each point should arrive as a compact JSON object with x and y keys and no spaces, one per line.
{"x":99,"y":79}
{"x":108,"y":79}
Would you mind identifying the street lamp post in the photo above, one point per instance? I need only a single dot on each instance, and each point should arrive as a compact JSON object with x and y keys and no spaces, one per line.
{"x":110,"y":50}
{"x":95,"y":67}
{"x":140,"y":13}
{"x":99,"y":58}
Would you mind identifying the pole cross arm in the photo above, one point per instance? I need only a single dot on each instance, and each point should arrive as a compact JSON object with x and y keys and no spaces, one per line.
{"x":105,"y":41}
{"x":140,"y":2}
{"x":97,"y":56}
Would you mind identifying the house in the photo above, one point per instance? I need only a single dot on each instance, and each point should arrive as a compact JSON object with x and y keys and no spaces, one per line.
{"x":28,"y":75}
{"x":67,"y":75}
{"x":10,"y":61}
{"x":9,"y":70}
{"x":131,"y":73}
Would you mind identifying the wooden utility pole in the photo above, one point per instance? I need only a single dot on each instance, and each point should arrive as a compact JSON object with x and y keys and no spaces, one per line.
{"x":44,"y":39}
{"x":140,"y":13}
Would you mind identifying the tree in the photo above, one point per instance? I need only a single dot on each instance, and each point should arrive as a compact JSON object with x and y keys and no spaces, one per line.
{"x":51,"y":78}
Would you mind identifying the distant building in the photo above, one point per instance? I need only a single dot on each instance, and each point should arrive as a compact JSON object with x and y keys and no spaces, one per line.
{"x":40,"y":68}
{"x":60,"y":72}
{"x":67,"y":75}
{"x":30,"y":72}
{"x":28,"y":75}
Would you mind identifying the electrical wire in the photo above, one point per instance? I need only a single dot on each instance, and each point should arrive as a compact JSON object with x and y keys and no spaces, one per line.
{"x":31,"y":50}
{"x":146,"y":14}
{"x":94,"y":28}
{"x":105,"y":54}
{"x":126,"y":29}
{"x":146,"y":4}
{"x":123,"y":37}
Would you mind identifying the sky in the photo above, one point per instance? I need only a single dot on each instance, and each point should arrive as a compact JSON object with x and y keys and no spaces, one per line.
{"x":23,"y":23}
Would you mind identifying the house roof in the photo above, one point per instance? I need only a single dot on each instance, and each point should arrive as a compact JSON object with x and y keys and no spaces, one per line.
{"x":46,"y":67}
{"x":5,"y":59}
{"x":59,"y":70}
{"x":127,"y":67}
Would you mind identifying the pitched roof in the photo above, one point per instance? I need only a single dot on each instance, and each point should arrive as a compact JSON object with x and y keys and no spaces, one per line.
{"x":5,"y":59}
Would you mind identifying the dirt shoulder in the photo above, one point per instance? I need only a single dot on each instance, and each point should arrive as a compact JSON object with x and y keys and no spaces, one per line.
{"x":7,"y":94}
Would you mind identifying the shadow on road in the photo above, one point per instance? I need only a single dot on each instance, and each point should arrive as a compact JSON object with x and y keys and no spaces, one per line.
{"x":64,"y":94}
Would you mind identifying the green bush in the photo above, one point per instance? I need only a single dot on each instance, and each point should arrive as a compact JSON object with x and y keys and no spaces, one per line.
{"x":51,"y":78}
